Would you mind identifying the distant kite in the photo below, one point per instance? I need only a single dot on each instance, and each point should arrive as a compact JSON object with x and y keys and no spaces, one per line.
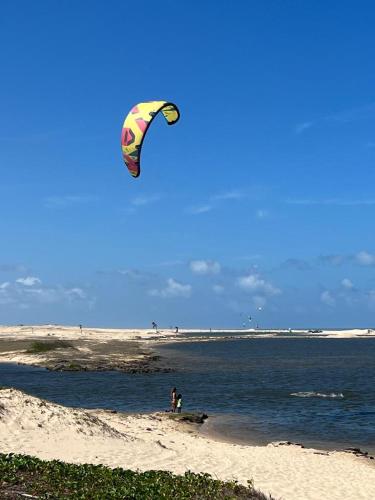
{"x":135,"y":128}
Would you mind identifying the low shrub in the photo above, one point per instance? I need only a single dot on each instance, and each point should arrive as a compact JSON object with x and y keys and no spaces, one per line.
{"x":38,"y":347}
{"x":22,"y":474}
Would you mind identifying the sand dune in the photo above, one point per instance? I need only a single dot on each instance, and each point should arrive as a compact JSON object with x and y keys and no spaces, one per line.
{"x":47,"y":430}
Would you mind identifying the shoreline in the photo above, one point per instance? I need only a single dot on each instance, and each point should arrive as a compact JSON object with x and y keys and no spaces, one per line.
{"x":33,"y":426}
{"x":209,"y":431}
{"x":67,"y":348}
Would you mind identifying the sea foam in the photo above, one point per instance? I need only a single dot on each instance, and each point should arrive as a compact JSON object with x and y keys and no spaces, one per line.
{"x":313,"y":394}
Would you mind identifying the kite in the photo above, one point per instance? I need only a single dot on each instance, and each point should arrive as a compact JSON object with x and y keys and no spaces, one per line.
{"x":135,"y":128}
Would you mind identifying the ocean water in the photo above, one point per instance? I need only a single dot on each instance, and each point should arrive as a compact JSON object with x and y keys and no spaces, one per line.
{"x":319,"y":392}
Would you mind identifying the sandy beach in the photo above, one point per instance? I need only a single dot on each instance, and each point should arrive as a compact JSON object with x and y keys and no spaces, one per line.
{"x":40,"y":428}
{"x":30,"y":425}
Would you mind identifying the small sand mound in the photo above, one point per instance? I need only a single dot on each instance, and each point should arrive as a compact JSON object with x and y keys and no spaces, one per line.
{"x":22,"y":411}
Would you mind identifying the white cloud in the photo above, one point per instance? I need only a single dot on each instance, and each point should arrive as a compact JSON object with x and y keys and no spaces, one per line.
{"x":218,"y":200}
{"x":229,"y":195}
{"x":351,"y":114}
{"x":29,"y":281}
{"x":5,"y":298}
{"x":140,"y":201}
{"x":301,"y":127}
{"x":130,"y":273}
{"x":67,"y":200}
{"x":218,"y":289}
{"x":28,"y":292}
{"x":344,"y":116}
{"x":327,"y":298}
{"x":201,"y":209}
{"x":331,"y":201}
{"x":205,"y":267}
{"x":334,"y":260}
{"x":261,"y":214}
{"x":346,"y":283}
{"x":43,"y":295}
{"x":12,"y":268}
{"x":76,"y":293}
{"x":365,"y":258}
{"x":173,"y":289}
{"x":51,"y":295}
{"x":253,"y":283}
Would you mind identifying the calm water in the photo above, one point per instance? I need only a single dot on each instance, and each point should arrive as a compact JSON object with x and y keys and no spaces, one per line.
{"x":317,"y":391}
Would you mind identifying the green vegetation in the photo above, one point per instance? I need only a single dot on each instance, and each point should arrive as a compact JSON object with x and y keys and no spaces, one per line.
{"x":38,"y":347}
{"x":59,"y":480}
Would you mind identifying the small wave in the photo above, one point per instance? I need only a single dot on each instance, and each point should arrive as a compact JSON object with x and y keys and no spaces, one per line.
{"x":313,"y":394}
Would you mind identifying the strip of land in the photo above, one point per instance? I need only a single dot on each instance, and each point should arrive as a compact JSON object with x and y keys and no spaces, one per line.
{"x":69,"y":348}
{"x":72,"y":349}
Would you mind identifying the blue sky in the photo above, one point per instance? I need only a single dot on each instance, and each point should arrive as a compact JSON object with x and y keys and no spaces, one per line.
{"x":259,"y":202}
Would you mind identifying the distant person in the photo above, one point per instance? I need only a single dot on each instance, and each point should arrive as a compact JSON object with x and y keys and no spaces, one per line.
{"x":179,"y":403}
{"x":80,"y":328}
{"x":154,"y":325}
{"x":173,"y":399}
{"x":176,"y":329}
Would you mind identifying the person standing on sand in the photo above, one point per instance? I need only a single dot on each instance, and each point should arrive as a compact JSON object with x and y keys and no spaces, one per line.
{"x":179,"y":403}
{"x":173,"y":399}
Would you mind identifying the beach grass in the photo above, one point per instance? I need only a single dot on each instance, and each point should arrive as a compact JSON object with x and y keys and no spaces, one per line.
{"x":40,"y":347}
{"x":25,"y":475}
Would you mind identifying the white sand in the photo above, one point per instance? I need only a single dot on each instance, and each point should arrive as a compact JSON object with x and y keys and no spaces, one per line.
{"x":36,"y":332}
{"x":49,"y":431}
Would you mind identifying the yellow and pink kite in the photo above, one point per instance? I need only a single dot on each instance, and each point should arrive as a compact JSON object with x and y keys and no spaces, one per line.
{"x":135,"y":128}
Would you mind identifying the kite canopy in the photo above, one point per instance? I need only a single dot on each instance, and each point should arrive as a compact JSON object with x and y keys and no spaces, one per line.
{"x":135,"y":128}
